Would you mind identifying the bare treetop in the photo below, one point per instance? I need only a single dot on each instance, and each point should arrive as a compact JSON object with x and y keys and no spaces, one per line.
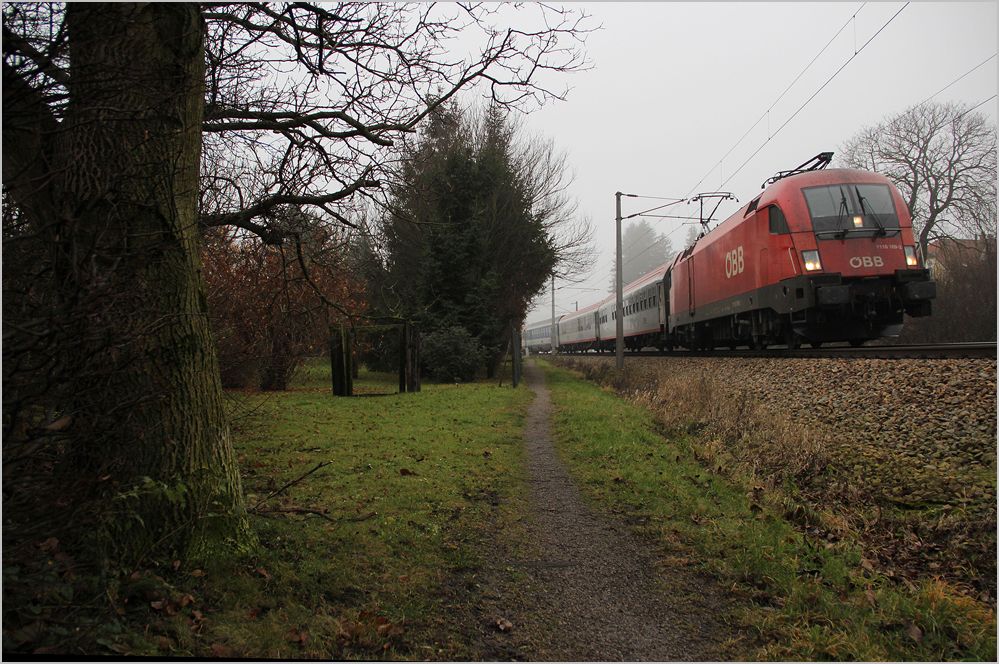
{"x":942,"y":157}
{"x":302,"y":100}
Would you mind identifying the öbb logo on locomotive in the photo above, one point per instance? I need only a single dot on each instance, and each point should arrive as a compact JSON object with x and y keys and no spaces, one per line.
{"x":734,"y":262}
{"x":866,"y":261}
{"x":833,"y":259}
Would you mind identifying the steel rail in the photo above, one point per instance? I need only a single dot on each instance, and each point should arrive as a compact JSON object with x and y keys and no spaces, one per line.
{"x":967,"y":350}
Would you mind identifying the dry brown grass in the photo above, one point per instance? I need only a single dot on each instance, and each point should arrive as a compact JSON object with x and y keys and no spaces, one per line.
{"x":734,"y":433}
{"x":835,"y":482}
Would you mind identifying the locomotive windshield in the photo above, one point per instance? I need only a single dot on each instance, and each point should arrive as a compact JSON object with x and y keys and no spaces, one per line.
{"x":852,"y":209}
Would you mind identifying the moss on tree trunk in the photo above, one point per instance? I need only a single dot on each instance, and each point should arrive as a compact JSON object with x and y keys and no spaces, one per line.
{"x":147,"y":397}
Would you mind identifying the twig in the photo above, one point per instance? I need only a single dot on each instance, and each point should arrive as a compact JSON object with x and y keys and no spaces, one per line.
{"x":295,"y":510}
{"x":287,"y":486}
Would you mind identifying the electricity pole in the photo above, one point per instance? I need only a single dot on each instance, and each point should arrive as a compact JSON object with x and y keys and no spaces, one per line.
{"x":554,"y":331}
{"x":619,"y":309}
{"x":619,"y":347}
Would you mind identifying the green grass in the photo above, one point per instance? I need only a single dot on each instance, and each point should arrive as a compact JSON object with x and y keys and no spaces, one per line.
{"x":356,"y":560}
{"x":314,"y":374}
{"x":807,"y":599}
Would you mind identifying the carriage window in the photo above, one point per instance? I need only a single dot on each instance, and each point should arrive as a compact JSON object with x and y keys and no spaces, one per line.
{"x":778,"y":224}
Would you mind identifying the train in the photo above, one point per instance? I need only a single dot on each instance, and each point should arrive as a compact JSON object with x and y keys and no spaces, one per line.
{"x":819,"y":256}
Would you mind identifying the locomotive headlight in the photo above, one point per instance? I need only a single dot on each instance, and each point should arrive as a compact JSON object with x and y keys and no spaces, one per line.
{"x":811,"y":260}
{"x":910,"y":256}
{"x":858,"y":221}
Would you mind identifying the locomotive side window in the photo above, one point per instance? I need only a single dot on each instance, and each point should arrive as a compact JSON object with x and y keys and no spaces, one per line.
{"x":778,"y":223}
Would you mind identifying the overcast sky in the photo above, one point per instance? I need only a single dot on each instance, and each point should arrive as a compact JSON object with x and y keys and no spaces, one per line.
{"x":674,"y":86}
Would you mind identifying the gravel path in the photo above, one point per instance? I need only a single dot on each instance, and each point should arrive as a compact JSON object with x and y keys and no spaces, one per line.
{"x":591,"y":590}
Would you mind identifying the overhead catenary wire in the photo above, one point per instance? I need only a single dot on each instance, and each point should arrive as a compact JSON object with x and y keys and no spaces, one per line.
{"x":956,"y":80}
{"x":976,"y":106}
{"x":609,"y":260}
{"x":644,"y":213}
{"x":766,"y":113}
{"x":814,"y":94}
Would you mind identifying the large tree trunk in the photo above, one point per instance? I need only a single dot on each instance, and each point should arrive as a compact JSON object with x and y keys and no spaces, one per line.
{"x":146,"y":394}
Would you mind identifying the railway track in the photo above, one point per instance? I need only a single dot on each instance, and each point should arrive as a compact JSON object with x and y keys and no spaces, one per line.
{"x":919,"y":351}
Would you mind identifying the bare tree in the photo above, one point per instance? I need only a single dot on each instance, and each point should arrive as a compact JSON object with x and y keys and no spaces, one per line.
{"x":108,"y":109}
{"x":642,"y":251}
{"x":304,"y":101}
{"x":942,"y":157}
{"x":544,"y":168}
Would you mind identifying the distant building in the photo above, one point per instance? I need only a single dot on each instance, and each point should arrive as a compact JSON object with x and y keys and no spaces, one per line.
{"x":950,"y":253}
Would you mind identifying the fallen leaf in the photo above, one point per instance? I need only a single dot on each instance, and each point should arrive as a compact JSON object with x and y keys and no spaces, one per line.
{"x":219,"y":650}
{"x":262,"y":572}
{"x":60,"y":424}
{"x":176,"y":565}
{"x":503,"y":625}
{"x":47,"y":650}
{"x":296,"y":636}
{"x":49,"y":545}
{"x":915,"y":633}
{"x":158,"y":605}
{"x":197,"y":572}
{"x":871,"y":599}
{"x":405,"y":471}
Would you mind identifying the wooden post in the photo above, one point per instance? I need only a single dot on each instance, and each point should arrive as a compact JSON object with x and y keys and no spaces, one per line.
{"x":402,"y":358}
{"x":336,"y":362}
{"x":340,"y":362}
{"x":515,"y":340}
{"x":348,"y":360}
{"x":412,"y":358}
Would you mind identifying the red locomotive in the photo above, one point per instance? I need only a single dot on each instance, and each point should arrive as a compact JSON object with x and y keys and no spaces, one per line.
{"x":819,"y":256}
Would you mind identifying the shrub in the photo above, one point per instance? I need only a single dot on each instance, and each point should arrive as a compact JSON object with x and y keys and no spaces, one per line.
{"x":451,"y":354}
{"x":379,"y":349}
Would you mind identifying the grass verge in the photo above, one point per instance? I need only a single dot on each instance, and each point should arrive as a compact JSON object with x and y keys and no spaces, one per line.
{"x":810,"y":598}
{"x":371,"y":514}
{"x":355,"y":560}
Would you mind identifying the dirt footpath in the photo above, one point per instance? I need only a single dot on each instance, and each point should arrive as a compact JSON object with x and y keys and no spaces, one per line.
{"x":589,"y":590}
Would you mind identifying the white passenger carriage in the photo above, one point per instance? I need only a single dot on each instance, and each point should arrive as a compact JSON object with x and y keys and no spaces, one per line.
{"x":537,"y":337}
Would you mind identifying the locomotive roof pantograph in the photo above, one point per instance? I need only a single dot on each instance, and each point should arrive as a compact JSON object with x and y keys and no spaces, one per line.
{"x":720,"y":195}
{"x":816,"y":163}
